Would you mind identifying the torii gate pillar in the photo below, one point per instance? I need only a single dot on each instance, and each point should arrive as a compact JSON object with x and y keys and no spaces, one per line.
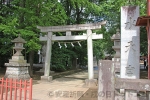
{"x":90,"y":54}
{"x":48,"y":58}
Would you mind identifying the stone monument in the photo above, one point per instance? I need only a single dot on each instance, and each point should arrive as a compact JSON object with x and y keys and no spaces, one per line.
{"x":130,"y":44}
{"x":17,"y":68}
{"x":130,"y":40}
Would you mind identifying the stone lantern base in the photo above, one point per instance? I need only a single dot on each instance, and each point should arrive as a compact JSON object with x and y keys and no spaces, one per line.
{"x":117,"y":66}
{"x":17,"y":72}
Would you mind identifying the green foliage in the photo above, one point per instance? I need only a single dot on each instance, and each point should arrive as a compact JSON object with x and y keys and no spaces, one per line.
{"x":104,"y":45}
{"x":143,"y":41}
{"x":61,"y":57}
{"x":80,"y":11}
{"x":23,"y":16}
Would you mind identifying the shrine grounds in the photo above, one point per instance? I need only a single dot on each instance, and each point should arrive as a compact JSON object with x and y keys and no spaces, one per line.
{"x":70,"y":83}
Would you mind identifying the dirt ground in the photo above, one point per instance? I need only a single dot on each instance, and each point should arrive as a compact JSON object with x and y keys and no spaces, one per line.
{"x":36,"y":76}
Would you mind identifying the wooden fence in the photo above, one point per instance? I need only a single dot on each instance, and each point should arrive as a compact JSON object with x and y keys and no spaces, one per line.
{"x":12,"y":89}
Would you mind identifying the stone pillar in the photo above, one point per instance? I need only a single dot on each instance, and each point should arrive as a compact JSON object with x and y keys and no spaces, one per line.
{"x":106,"y":80}
{"x":130,"y":42}
{"x":48,"y":59}
{"x":90,"y":55}
{"x":90,"y":82}
{"x":116,"y":47}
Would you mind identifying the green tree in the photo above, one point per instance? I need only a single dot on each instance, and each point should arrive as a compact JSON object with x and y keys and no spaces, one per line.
{"x":22,"y":17}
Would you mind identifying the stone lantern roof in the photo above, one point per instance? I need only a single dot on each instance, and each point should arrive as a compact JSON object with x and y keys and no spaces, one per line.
{"x":19,"y":39}
{"x":116,"y":36}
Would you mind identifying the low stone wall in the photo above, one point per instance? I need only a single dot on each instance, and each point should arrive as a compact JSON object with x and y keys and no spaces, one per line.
{"x":114,"y":88}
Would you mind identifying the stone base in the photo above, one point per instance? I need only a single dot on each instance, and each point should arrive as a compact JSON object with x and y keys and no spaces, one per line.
{"x":17,"y":72}
{"x":90,"y":83}
{"x":46,"y":78}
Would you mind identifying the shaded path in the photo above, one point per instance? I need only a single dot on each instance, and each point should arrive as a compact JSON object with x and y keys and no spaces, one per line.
{"x":70,"y":87}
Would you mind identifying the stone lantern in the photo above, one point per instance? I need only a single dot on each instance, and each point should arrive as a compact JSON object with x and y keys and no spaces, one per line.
{"x":116,"y":47}
{"x":17,"y":68}
{"x":116,"y":38}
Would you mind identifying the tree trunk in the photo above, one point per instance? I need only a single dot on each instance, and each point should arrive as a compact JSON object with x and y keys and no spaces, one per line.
{"x":31,"y":59}
{"x":77,"y":14}
{"x":68,"y":11}
{"x":21,"y":19}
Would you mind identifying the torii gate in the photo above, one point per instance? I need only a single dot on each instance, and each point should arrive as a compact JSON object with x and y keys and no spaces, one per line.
{"x":68,"y":28}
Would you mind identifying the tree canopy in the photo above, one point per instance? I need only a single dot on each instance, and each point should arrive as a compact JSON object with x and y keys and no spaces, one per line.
{"x":23,"y":16}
